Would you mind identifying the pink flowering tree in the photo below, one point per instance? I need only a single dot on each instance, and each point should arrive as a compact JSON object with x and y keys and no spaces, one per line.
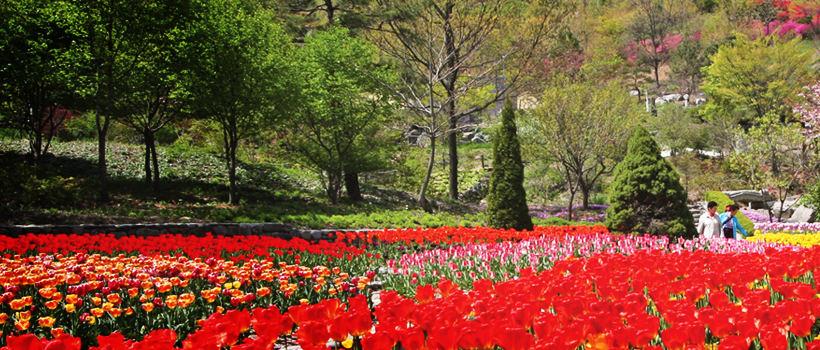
{"x":654,"y":30}
{"x":809,"y":111}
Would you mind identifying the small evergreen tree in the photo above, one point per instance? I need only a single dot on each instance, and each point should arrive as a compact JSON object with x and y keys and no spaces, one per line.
{"x":647,"y":196}
{"x":507,"y":201}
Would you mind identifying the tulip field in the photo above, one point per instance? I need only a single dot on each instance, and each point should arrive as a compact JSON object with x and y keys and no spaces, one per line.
{"x":573,"y":287}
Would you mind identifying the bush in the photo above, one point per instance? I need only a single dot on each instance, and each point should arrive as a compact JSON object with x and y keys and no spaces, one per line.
{"x":646,"y":194}
{"x":30,"y":185}
{"x":723,"y":201}
{"x":507,"y":200}
{"x":561,"y":222}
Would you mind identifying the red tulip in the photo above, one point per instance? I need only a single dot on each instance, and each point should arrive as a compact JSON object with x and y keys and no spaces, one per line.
{"x":773,"y":337}
{"x":477,"y":336}
{"x":675,"y":338}
{"x":801,"y":325}
{"x":358,"y":322}
{"x":446,"y":287}
{"x":377,"y":341}
{"x":747,"y":328}
{"x":444,"y":338}
{"x":115,"y":341}
{"x":523,"y":315}
{"x":412,"y":338}
{"x":483,"y":285}
{"x":735,"y":342}
{"x":545,"y":324}
{"x":514,"y":338}
{"x":313,"y":333}
{"x":719,"y":300}
{"x":24,"y":342}
{"x":424,"y":294}
{"x":338,"y":329}
{"x":815,"y":345}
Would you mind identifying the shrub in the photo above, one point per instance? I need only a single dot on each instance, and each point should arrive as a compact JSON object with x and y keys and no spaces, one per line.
{"x":646,"y":194}
{"x":723,"y":201}
{"x":507,"y":200}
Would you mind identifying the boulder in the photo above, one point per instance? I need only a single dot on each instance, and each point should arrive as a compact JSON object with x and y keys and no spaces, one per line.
{"x":787,"y":209}
{"x":803,"y":214}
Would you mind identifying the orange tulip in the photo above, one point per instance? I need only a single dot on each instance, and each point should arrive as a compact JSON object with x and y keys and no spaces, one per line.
{"x":46,"y":322}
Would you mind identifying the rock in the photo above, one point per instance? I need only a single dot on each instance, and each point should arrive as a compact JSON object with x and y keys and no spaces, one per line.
{"x":31,"y":229}
{"x":145,"y":231}
{"x":316,"y":235}
{"x":787,"y":209}
{"x":277,"y":228}
{"x":219,"y":230}
{"x":803,"y":214}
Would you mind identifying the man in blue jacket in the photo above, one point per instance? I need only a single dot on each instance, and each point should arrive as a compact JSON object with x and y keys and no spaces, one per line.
{"x":730,"y":223}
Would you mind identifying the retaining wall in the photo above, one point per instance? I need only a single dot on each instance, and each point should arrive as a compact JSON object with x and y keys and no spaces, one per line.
{"x":217,"y":229}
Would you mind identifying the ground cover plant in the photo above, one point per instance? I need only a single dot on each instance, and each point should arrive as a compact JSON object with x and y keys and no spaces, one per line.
{"x":560,"y":287}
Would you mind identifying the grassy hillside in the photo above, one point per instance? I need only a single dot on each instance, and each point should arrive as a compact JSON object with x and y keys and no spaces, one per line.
{"x":61,"y":189}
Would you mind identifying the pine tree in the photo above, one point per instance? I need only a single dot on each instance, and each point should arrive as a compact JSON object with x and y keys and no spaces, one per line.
{"x":507,"y":201}
{"x":647,"y":196}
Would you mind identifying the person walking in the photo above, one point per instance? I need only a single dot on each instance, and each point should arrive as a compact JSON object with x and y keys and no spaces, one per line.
{"x":709,"y":222}
{"x":730,"y":224}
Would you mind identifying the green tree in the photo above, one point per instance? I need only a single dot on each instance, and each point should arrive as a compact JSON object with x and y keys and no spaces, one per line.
{"x":153,"y":94}
{"x":646,"y":193}
{"x":450,"y":49}
{"x":775,"y":156}
{"x":342,"y":108}
{"x":36,"y":69}
{"x":506,"y":200}
{"x":301,"y":17}
{"x":113,"y":35}
{"x":583,"y":128}
{"x":757,"y":77}
{"x":242,"y":78}
{"x":687,"y":62}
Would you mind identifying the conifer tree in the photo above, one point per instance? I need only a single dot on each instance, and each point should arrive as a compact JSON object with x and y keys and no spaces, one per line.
{"x":647,"y":196}
{"x":507,"y":201}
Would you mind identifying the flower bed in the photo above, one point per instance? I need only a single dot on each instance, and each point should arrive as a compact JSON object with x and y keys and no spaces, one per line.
{"x":563,"y":213}
{"x":449,"y":288}
{"x":807,"y":240}
{"x":794,"y":227}
{"x":757,"y":217}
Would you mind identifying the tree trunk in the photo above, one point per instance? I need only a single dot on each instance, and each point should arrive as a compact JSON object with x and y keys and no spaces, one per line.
{"x":569,"y":208}
{"x":450,"y":107}
{"x":231,"y":145}
{"x":422,"y":194}
{"x":657,"y":76}
{"x":147,"y":138}
{"x":156,"y":162}
{"x":334,"y":184}
{"x":352,"y":186}
{"x":452,"y":141}
{"x":102,"y":170}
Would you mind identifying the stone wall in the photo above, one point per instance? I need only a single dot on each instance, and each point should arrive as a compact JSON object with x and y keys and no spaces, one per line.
{"x":217,"y":229}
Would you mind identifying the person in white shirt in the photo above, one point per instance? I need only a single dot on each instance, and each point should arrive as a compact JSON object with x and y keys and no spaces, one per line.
{"x":709,"y":222}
